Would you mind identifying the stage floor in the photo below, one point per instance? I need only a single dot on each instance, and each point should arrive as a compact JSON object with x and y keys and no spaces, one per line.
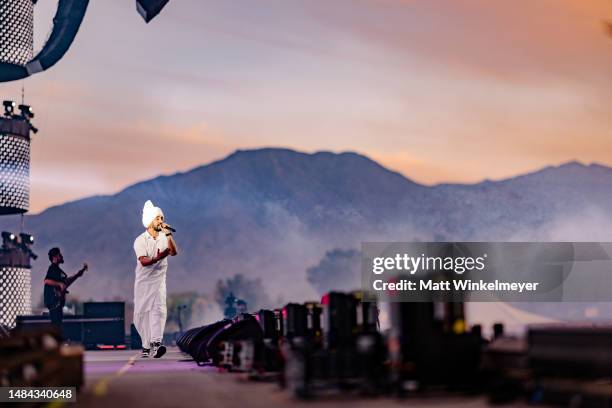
{"x":119,"y":379}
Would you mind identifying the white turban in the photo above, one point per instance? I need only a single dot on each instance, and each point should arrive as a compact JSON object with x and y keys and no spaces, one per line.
{"x":149,"y":212}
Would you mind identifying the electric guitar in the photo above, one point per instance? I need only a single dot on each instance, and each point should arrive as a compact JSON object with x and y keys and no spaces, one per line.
{"x":59,"y":295}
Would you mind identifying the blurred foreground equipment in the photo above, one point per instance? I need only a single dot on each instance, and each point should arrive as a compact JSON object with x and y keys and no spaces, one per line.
{"x":307,"y":347}
{"x":430,"y":347}
{"x":339,"y":348}
{"x":35,"y":358}
{"x":571,"y":365}
{"x":562,"y":365}
{"x":336,"y":346}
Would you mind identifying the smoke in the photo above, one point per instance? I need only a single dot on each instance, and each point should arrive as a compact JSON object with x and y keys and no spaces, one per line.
{"x":252,"y":291}
{"x":204,"y":311}
{"x":592,"y":224}
{"x":338,"y":270}
{"x":288,"y":246}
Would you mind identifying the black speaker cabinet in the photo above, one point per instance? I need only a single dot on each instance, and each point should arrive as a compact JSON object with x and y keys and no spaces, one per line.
{"x":71,"y":326}
{"x":104,"y":309}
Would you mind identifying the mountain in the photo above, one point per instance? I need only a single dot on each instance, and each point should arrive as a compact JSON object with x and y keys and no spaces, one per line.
{"x":273,"y":213}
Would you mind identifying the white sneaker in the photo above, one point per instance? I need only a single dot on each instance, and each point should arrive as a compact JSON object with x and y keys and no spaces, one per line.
{"x":145,"y":353}
{"x":158,"y":349}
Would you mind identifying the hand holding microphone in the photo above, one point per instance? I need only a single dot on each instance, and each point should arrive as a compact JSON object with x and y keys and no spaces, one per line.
{"x":168,"y":229}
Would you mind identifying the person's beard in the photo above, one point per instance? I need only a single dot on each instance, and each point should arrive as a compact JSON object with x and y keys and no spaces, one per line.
{"x":157,"y":228}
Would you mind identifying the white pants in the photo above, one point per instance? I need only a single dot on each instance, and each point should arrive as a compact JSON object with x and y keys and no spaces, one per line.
{"x":150,"y":324}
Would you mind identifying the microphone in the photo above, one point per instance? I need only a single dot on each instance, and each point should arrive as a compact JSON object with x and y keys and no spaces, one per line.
{"x":166,"y":226}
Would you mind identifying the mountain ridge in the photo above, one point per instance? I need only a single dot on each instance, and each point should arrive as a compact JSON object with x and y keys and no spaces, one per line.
{"x":570,"y":163}
{"x":272,"y":213}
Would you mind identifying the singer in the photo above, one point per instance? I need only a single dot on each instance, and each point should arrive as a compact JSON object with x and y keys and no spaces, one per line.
{"x":152,"y":247}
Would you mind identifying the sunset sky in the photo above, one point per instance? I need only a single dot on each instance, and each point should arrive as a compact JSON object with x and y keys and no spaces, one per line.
{"x":441,"y":91}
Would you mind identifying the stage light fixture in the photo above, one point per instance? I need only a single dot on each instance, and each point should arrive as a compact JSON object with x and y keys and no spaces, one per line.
{"x":9,"y":108}
{"x":26,"y":111}
{"x":26,"y":239}
{"x":8,"y":238}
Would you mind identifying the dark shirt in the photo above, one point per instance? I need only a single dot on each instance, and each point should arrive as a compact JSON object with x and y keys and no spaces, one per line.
{"x":51,"y":299}
{"x":55,"y":273}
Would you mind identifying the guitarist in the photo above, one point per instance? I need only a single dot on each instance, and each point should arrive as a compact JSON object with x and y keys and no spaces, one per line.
{"x":56,"y":283}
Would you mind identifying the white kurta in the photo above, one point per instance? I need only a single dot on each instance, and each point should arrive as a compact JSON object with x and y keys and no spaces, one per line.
{"x":150,"y":289}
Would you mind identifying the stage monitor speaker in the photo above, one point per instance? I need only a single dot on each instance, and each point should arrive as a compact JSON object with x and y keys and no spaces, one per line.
{"x":104,"y":309}
{"x":90,"y":331}
{"x":148,"y":9}
{"x":103,"y":331}
{"x":71,"y":326}
{"x":72,"y":329}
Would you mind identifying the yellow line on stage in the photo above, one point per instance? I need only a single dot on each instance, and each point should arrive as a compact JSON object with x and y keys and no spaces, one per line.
{"x":101,"y":387}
